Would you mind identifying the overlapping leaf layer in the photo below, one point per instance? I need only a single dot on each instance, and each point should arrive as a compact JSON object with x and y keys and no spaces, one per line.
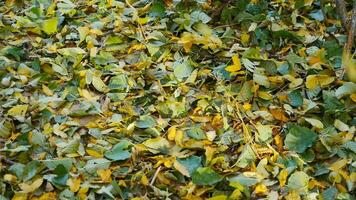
{"x":175,"y":99}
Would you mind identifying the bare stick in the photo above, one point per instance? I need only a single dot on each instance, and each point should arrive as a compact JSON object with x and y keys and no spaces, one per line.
{"x":341,"y":11}
{"x":351,"y":31}
{"x":6,"y":160}
{"x":155,"y":176}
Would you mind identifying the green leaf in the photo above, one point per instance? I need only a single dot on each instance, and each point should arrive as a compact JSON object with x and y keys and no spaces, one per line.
{"x":295,"y":98}
{"x":317,"y":15}
{"x":330,"y":193}
{"x":191,"y":163}
{"x":113,"y":39}
{"x":118,"y":152}
{"x":244,"y":180}
{"x":49,"y":26}
{"x":6,"y":128}
{"x":287,"y":35}
{"x":205,"y":176}
{"x":264,"y":132}
{"x":61,"y":177}
{"x":71,"y":51}
{"x":14,"y":52}
{"x":146,"y":122}
{"x":299,"y":181}
{"x":197,"y":16}
{"x":60,"y":69}
{"x":118,"y":82}
{"x":247,"y":157}
{"x":157,"y":145}
{"x":299,"y":138}
{"x":117,"y":190}
{"x":196,"y":133}
{"x":104,"y":58}
{"x":182,"y":69}
{"x":245,"y":93}
{"x":18,"y":169}
{"x":157,"y":9}
{"x":332,"y":104}
{"x":30,"y":170}
{"x":99,"y":84}
{"x":293,"y":58}
{"x":347,"y":88}
{"x":52,"y":164}
{"x":18,"y":111}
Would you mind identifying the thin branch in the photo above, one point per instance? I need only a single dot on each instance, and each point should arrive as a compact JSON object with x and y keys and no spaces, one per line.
{"x":155,"y":176}
{"x":6,"y":160}
{"x":351,"y":31}
{"x":341,"y":11}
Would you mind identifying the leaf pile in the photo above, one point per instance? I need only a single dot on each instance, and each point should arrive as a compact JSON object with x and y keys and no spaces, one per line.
{"x":183,"y":99}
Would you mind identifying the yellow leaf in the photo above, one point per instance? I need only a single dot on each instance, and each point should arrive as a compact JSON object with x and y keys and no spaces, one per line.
{"x":46,"y":90}
{"x":353,"y":97}
{"x":144,"y":180}
{"x":317,"y":57}
{"x":18,"y":111}
{"x":236,"y":64}
{"x":350,"y":66}
{"x":136,"y":47}
{"x":94,"y":153}
{"x":19,"y":196}
{"x":325,"y":80}
{"x":236,"y":60}
{"x":282,"y":177}
{"x":179,"y":138}
{"x":83,"y":190}
{"x":48,"y":196}
{"x":87,"y":95}
{"x":172,"y":133}
{"x":279,"y":142}
{"x":28,"y":188}
{"x":211,"y":135}
{"x":341,"y":188}
{"x":47,"y":129}
{"x":218,"y":197}
{"x":265,"y":95}
{"x":245,"y":38}
{"x":179,"y":167}
{"x":105,"y":174}
{"x":314,"y":81}
{"x":51,"y":9}
{"x":336,"y":166}
{"x":143,"y":21}
{"x":236,"y":194}
{"x":261,"y":189}
{"x":247,"y":106}
{"x":49,"y":26}
{"x":187,"y":41}
{"x":10,"y":178}
{"x":311,"y":82}
{"x":74,"y":184}
{"x":315,"y":122}
{"x":301,"y":52}
{"x":279,"y":115}
{"x":82,"y":193}
{"x":99,"y":84}
{"x":292,"y":195}
{"x":216,"y":120}
{"x":308,"y":2}
{"x":209,"y":153}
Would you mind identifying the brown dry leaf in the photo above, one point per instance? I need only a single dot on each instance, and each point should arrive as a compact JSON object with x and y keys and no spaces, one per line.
{"x":279,"y":114}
